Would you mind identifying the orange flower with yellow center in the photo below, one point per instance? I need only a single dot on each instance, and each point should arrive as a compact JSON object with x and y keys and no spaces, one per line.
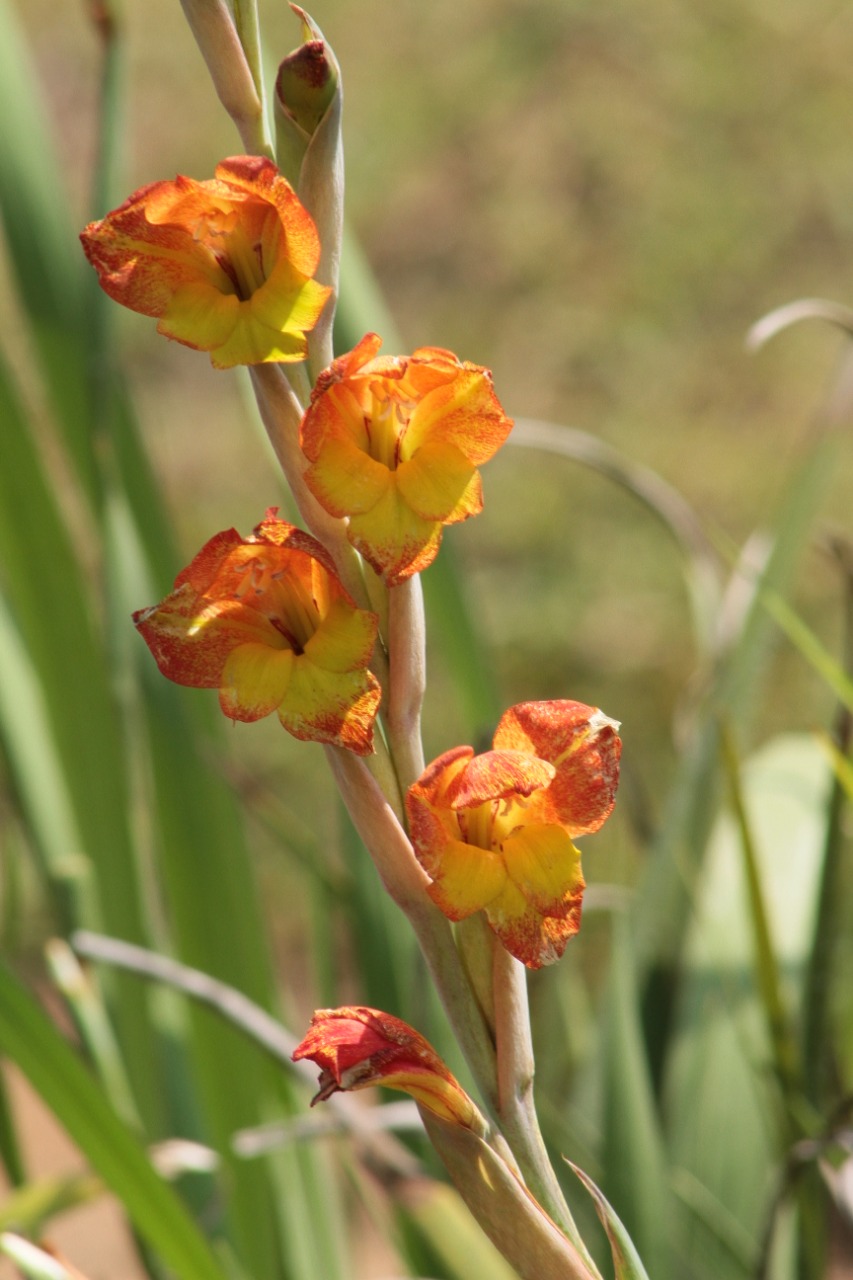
{"x":265,"y":620}
{"x":355,"y":1047}
{"x":494,"y":831}
{"x":394,"y":444}
{"x":225,"y":265}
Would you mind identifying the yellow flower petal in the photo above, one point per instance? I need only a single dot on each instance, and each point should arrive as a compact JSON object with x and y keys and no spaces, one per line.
{"x":344,"y":640}
{"x":545,"y":866}
{"x":225,"y":264}
{"x":345,"y":480}
{"x":439,"y":483}
{"x":254,"y":681}
{"x":324,"y":706}
{"x":394,"y":539}
{"x":467,"y":879}
{"x":266,"y":621}
{"x":425,"y":421}
{"x":464,"y":412}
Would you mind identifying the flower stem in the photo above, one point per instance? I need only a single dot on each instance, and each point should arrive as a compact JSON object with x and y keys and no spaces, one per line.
{"x":406,"y":881}
{"x":281,"y":413}
{"x":516,"y":1110}
{"x":233,"y":62}
{"x":407,"y":654}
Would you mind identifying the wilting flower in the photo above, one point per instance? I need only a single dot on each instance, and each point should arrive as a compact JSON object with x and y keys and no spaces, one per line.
{"x":355,"y":1047}
{"x":494,"y":831}
{"x":394,"y":443}
{"x":225,"y":265}
{"x":265,"y":620}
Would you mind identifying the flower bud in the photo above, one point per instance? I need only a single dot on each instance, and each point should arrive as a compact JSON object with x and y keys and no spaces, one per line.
{"x":308,"y":102}
{"x":355,"y":1047}
{"x":304,"y":89}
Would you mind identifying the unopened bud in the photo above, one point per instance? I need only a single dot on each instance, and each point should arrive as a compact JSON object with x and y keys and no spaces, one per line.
{"x":309,"y":154}
{"x":305,"y":86}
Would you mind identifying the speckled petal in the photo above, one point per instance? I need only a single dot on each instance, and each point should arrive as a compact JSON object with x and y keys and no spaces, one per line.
{"x":583,"y":745}
{"x":337,"y":708}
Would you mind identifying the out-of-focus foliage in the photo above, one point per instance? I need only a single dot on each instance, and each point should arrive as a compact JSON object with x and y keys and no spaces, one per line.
{"x":595,"y":200}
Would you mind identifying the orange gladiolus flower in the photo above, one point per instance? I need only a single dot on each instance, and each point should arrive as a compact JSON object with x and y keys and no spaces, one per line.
{"x":494,"y":831}
{"x":225,"y":265}
{"x":394,"y":444}
{"x":265,"y":620}
{"x":355,"y":1047}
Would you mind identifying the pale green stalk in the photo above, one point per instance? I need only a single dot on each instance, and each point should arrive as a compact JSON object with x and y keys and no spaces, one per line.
{"x":406,"y":881}
{"x":503,"y":1206}
{"x":407,"y":656}
{"x":516,"y":1110}
{"x":249,"y":31}
{"x":237,"y":86}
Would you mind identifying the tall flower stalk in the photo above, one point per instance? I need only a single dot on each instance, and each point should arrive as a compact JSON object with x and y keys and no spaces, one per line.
{"x":324,"y":626}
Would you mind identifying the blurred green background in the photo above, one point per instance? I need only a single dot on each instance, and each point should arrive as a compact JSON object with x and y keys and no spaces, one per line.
{"x":596,"y":200}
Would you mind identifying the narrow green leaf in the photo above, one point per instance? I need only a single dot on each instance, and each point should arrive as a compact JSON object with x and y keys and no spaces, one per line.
{"x":10,"y":1150}
{"x":217,"y":925}
{"x":38,"y":564}
{"x":31,"y":750}
{"x":810,"y":647}
{"x":718,"y":1064}
{"x":31,"y":1041}
{"x":635,"y":1168}
{"x":626,"y":1260}
{"x":44,"y":252}
{"x":92,"y":1022}
{"x":766,"y":966}
{"x":662,"y":904}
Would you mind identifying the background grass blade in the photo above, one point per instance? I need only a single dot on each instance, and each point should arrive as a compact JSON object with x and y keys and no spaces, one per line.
{"x":635,"y":1167}
{"x":30,"y":1040}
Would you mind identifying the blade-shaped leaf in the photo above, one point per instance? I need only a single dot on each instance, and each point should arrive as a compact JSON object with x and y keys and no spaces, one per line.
{"x":31,"y":1041}
{"x":626,"y":1260}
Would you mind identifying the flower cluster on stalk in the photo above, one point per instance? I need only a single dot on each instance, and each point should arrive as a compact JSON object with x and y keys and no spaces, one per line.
{"x":391,"y":448}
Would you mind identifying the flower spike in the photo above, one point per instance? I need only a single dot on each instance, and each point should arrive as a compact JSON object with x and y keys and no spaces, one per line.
{"x":394,"y":444}
{"x":225,"y":265}
{"x":494,"y":831}
{"x":355,"y":1047}
{"x":266,"y":621}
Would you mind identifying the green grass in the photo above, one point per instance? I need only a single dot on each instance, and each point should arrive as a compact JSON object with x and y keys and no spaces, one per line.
{"x":596,"y":201}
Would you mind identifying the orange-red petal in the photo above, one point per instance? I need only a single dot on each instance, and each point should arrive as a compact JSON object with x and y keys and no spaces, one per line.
{"x":355,"y":1047}
{"x":394,"y":443}
{"x":265,"y":620}
{"x":225,"y":264}
{"x":494,"y":831}
{"x":584,"y":746}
